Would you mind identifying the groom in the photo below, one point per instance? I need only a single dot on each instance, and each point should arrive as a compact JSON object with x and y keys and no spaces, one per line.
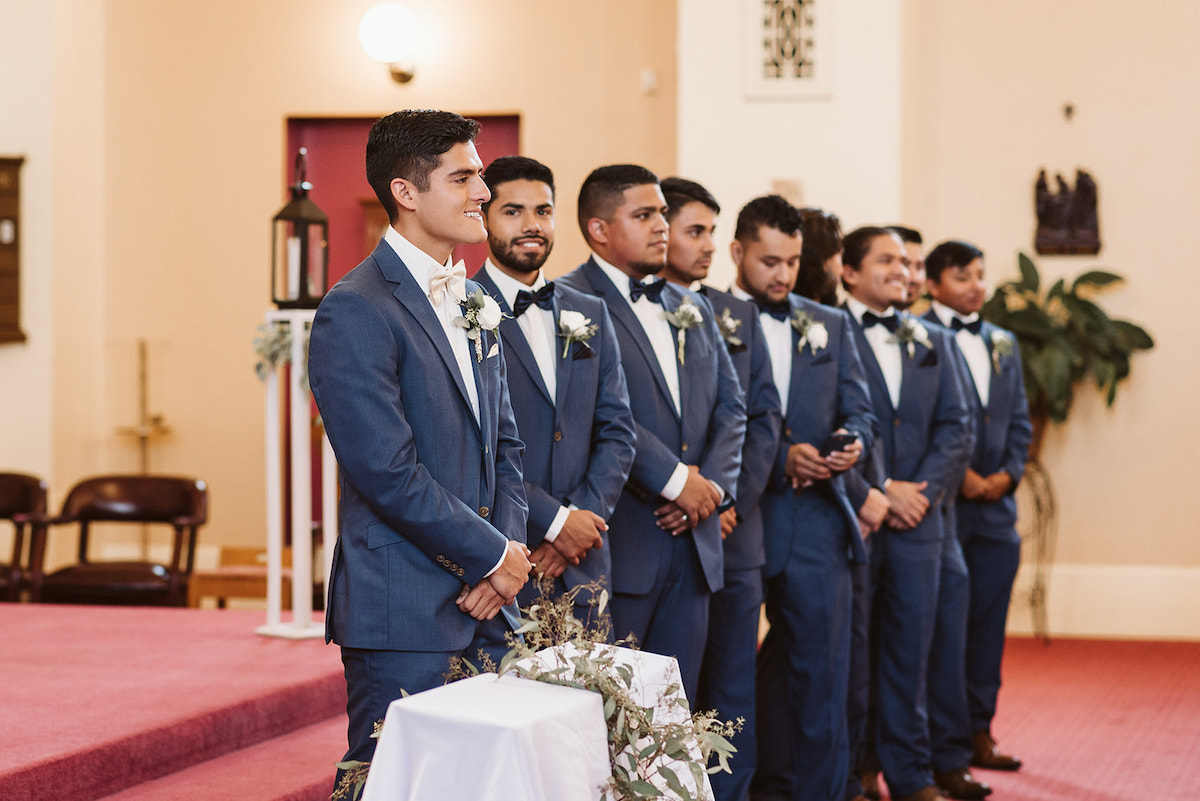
{"x":432,"y":516}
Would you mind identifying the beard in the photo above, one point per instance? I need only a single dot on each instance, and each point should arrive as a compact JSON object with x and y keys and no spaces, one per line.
{"x":644,"y":268}
{"x":507,"y":254}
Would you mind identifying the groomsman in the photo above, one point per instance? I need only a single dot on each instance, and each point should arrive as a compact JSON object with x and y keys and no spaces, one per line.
{"x":727,"y":673}
{"x":690,"y":418}
{"x":811,"y":529}
{"x":432,"y":515}
{"x":566,"y":384}
{"x":986,"y":506}
{"x":912,"y":372}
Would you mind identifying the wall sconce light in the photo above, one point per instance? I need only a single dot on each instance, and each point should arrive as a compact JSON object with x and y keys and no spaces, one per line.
{"x":388,"y":33}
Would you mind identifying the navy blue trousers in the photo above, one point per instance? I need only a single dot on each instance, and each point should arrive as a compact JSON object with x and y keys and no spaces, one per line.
{"x":992,"y":562}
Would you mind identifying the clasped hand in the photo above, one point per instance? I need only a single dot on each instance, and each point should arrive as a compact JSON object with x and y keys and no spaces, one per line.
{"x":485,"y":599}
{"x":579,"y":534}
{"x":695,"y":504}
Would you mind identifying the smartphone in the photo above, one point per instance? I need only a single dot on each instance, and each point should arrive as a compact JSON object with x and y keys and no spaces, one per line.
{"x":837,"y":442}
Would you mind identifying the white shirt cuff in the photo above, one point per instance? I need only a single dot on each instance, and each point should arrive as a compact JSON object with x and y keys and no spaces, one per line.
{"x":719,"y":489}
{"x":556,"y":524}
{"x":675,"y":483}
{"x":497,"y":567}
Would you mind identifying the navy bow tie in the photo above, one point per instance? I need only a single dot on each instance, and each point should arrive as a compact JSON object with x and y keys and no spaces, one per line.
{"x":543,"y":299}
{"x":956,"y":324}
{"x":781,"y":311}
{"x":652,"y":290}
{"x":891,"y":322}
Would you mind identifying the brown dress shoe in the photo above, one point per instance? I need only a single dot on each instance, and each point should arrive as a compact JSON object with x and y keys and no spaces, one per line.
{"x":870,"y":785}
{"x":986,"y":755}
{"x":929,"y":793}
{"x":961,"y":784}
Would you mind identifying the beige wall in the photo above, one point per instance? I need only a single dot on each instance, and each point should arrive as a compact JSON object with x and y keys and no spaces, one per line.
{"x":169,"y":127}
{"x":985,"y":89}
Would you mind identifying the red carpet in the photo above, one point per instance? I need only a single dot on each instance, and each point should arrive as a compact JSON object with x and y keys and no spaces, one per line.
{"x":1099,"y":720}
{"x":94,"y":700}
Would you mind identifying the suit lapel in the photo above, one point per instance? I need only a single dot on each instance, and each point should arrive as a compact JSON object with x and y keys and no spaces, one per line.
{"x":879,"y":387}
{"x":564,"y":364}
{"x":684,"y":393}
{"x":412,"y":297}
{"x":514,"y":337}
{"x":620,"y":311}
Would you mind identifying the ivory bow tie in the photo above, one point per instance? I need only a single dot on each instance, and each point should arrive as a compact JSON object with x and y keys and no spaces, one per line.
{"x":449,"y":279}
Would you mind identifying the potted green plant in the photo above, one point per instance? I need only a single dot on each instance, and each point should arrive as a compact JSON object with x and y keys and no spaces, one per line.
{"x":1064,"y":337}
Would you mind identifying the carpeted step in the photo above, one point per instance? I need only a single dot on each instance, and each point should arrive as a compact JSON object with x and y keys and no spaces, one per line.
{"x":295,"y":767}
{"x":94,"y":700}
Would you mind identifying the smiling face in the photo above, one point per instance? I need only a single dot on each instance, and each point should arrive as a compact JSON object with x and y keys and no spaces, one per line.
{"x":635,"y":239}
{"x":449,"y":212}
{"x":961,"y":288}
{"x":690,"y":244}
{"x":767,"y":265}
{"x":914,"y":252}
{"x":520,"y":223}
{"x":881,"y":280}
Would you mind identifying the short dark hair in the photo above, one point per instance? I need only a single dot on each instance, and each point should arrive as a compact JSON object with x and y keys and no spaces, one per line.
{"x":681,"y":191}
{"x":516,"y":168}
{"x":604,"y":190}
{"x":409,"y":144}
{"x":948,"y":256}
{"x":822,"y":241}
{"x":772,"y":211}
{"x":907,"y":234}
{"x":857,"y":243}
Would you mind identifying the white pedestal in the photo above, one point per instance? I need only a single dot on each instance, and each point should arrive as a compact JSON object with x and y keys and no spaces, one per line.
{"x":301,"y":626}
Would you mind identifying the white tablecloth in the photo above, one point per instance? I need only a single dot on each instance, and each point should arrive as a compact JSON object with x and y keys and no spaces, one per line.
{"x":484,"y":738}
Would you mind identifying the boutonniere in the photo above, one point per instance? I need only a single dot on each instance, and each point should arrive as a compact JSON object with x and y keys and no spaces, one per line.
{"x":481,"y":314}
{"x":685,"y":317}
{"x":1002,"y":348}
{"x":911,"y":330}
{"x":812,"y":332}
{"x":575,"y":329}
{"x":728,"y":326}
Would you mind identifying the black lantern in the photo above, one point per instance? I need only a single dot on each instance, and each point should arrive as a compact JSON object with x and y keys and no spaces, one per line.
{"x":300,"y":247}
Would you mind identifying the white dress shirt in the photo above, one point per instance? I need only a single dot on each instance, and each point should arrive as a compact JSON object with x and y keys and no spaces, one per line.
{"x":887,"y":354}
{"x":423,"y":266}
{"x":537,"y":324}
{"x":658,"y":331}
{"x":778,"y":334}
{"x":973,"y":348}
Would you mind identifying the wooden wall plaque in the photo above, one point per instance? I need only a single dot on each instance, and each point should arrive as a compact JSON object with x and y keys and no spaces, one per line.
{"x":10,"y":249}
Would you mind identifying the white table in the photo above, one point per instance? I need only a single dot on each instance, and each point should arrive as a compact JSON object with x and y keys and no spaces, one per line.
{"x":492,"y":739}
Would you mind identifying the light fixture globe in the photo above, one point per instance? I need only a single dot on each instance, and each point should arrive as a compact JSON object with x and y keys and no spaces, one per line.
{"x":388,"y":33}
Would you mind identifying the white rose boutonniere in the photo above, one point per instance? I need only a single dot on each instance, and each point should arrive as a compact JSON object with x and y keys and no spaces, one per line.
{"x":575,"y":329}
{"x":729,"y":325}
{"x":481,"y":314}
{"x":812,"y":332}
{"x":1002,"y":348}
{"x":911,"y":331}
{"x":684,"y":318}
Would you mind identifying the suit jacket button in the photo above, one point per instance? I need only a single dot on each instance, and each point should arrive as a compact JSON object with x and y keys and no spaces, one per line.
{"x":461,"y":571}
{"x":987,"y":418}
{"x":557,"y":436}
{"x":787,"y":432}
{"x":484,"y":511}
{"x":895,"y":421}
{"x":683,"y":448}
{"x":441,"y":559}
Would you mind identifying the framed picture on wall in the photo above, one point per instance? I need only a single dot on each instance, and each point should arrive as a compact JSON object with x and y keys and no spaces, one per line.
{"x":786,"y":50}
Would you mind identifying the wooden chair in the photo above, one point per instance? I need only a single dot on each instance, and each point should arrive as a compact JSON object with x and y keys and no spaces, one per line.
{"x":181,"y":503}
{"x":21,"y":495}
{"x":241,"y":573}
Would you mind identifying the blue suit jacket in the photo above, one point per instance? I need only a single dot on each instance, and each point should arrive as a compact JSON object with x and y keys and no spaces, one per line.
{"x":928,"y":437}
{"x":579,"y":445}
{"x":430,"y":495}
{"x":1002,"y":434}
{"x":708,"y":433}
{"x":744,"y":547}
{"x":827,"y":391}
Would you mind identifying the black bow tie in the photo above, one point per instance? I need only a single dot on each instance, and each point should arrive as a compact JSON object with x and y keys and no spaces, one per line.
{"x":956,"y":324}
{"x":781,"y":311}
{"x":543,"y":299}
{"x":891,"y":322}
{"x":652,"y":290}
